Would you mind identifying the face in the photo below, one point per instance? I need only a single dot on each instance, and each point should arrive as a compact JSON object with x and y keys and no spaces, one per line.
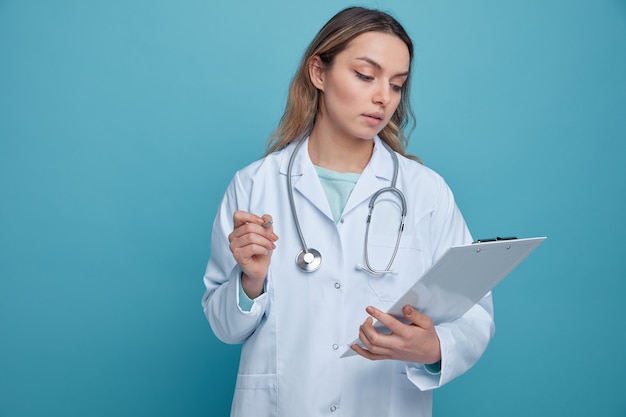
{"x":361,"y":90}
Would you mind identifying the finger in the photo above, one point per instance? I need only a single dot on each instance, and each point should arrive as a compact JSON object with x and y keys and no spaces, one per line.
{"x":389,"y":321}
{"x":367,"y":354}
{"x":373,"y":340}
{"x":267,"y":221}
{"x":250,"y":239}
{"x":251,"y":229}
{"x":246,"y":254}
{"x":373,"y":344}
{"x":417,"y":318}
{"x":367,"y":331}
{"x":268,"y":225}
{"x":241,"y":217}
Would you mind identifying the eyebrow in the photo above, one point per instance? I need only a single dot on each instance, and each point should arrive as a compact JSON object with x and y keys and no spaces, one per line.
{"x":379,"y":67}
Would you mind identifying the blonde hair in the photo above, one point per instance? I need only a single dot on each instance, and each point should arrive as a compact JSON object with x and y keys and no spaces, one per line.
{"x":334,"y":37}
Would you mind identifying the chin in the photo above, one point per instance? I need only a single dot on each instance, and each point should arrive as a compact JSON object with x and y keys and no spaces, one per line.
{"x":368,"y":135}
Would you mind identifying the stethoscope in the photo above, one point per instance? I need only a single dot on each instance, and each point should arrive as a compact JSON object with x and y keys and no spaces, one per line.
{"x":309,"y":259}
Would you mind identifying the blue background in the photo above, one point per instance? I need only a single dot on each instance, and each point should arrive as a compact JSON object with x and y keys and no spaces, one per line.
{"x":121,"y":122}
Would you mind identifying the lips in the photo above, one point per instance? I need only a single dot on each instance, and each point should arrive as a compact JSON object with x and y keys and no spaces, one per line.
{"x":374,"y":119}
{"x":378,"y":116}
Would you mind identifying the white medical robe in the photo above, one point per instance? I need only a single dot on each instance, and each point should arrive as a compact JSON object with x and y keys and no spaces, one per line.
{"x":296,"y":331}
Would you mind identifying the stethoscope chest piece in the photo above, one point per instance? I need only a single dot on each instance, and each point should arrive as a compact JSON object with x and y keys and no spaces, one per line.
{"x":309,"y":260}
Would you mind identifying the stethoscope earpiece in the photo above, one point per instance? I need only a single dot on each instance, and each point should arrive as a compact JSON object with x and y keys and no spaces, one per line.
{"x":361,"y":267}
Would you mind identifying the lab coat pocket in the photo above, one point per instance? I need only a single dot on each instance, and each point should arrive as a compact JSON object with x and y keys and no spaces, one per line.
{"x":407,"y":266}
{"x":255,"y":392}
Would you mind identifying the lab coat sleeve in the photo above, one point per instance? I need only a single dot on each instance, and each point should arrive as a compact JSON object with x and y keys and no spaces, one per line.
{"x":220,"y":302}
{"x":464,"y":340}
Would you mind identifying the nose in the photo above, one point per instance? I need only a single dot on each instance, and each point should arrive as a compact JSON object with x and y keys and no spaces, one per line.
{"x":382,"y":95}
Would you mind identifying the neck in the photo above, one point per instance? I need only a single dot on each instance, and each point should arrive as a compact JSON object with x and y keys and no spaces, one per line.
{"x":341,"y":155}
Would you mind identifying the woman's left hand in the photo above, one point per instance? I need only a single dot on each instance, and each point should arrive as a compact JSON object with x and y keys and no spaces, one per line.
{"x":414,"y":342}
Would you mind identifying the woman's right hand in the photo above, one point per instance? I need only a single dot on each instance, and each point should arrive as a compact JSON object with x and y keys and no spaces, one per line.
{"x":252,"y":244}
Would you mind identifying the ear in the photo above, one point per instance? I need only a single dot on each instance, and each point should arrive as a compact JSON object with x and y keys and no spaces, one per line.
{"x":316,"y":72}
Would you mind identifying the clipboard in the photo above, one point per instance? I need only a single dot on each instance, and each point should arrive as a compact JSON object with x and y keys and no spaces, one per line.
{"x":459,"y":279}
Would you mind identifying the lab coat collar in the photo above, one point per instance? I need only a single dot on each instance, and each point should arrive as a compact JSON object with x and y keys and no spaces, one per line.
{"x":377,"y":174}
{"x":304,"y":178}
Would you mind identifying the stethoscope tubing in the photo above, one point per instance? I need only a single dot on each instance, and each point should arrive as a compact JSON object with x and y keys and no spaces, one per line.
{"x":292,"y":204}
{"x":309,"y":259}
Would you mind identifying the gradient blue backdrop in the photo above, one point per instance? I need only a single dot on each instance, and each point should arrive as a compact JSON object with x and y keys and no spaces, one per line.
{"x":121,"y":122}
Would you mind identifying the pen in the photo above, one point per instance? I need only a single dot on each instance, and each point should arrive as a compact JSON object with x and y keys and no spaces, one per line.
{"x":268,"y":223}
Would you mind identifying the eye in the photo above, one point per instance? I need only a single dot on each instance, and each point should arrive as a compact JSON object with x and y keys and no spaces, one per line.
{"x":396,"y":88}
{"x":363,"y":76}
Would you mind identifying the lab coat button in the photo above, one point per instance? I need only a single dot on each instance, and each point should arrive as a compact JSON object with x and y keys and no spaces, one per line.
{"x":333,"y":408}
{"x":341,"y":221}
{"x":335,"y":346}
{"x":337,"y":285}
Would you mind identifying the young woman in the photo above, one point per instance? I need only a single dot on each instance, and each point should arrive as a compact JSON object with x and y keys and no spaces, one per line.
{"x":296,"y":308}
